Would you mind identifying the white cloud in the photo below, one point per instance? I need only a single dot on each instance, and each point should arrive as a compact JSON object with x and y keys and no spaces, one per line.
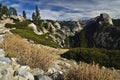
{"x":15,"y":5}
{"x":49,"y":14}
{"x":77,"y":9}
{"x":92,"y":9}
{"x":59,"y":15}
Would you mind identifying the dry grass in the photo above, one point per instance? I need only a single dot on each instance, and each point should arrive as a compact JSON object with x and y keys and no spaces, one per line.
{"x":28,"y":54}
{"x":89,"y":72}
{"x":34,"y":56}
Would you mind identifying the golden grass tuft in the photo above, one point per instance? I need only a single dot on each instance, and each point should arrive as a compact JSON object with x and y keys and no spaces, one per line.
{"x":28,"y":54}
{"x":89,"y":72}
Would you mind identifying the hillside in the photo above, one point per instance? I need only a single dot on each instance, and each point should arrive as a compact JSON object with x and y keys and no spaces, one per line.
{"x":45,"y":63}
{"x":41,"y":49}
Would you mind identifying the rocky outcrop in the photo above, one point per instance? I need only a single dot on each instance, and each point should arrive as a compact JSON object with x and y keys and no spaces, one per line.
{"x":101,"y":33}
{"x":17,"y":18}
{"x":34,"y":27}
{"x":105,"y":18}
{"x":4,"y":21}
{"x":13,"y":18}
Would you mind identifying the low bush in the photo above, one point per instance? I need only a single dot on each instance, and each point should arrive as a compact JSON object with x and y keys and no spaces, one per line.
{"x":18,"y":25}
{"x":30,"y":35}
{"x":108,"y":58}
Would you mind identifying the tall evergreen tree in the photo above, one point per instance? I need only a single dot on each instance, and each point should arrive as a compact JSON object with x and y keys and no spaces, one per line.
{"x":0,"y":10}
{"x":82,"y":39}
{"x":12,"y":11}
{"x":78,"y":40}
{"x":0,"y":5}
{"x":33,"y":16}
{"x":36,"y":16}
{"x":37,"y":13}
{"x":5,"y":10}
{"x":24,"y":14}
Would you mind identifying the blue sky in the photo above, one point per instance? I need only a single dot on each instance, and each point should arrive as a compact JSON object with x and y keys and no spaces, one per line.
{"x":66,"y":9}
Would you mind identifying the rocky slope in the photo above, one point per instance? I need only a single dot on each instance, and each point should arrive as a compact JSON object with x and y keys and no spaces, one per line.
{"x":59,"y":31}
{"x":10,"y":69}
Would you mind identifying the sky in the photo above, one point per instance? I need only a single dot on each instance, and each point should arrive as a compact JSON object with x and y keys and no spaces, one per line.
{"x":66,"y":9}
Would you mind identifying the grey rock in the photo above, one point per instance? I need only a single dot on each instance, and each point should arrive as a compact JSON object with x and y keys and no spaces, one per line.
{"x":42,"y":77}
{"x":37,"y":71}
{"x":5,"y":60}
{"x":23,"y":69}
{"x":2,"y":53}
{"x":1,"y":39}
{"x":24,"y":72}
{"x":57,"y":76}
{"x":28,"y":76}
{"x":4,"y":73}
{"x":34,"y":27}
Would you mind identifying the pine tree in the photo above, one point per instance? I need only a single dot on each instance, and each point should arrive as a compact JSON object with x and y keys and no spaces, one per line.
{"x":24,"y":14}
{"x":82,"y":39}
{"x":12,"y":11}
{"x":0,"y":5}
{"x":0,"y":10}
{"x":36,"y":16}
{"x":33,"y":16}
{"x":5,"y":10}
{"x":37,"y":13}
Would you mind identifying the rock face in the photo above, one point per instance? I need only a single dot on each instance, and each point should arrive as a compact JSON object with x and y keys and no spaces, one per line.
{"x":108,"y":37}
{"x":105,"y":18}
{"x":100,"y":32}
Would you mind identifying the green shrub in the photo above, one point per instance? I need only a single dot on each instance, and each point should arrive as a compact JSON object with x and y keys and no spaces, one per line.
{"x":30,"y":35}
{"x":18,"y":25}
{"x":108,"y":58}
{"x":8,"y":25}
